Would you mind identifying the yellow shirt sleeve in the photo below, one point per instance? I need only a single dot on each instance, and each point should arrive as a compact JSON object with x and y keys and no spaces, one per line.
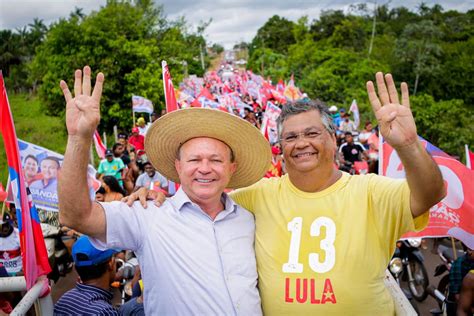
{"x":393,"y":216}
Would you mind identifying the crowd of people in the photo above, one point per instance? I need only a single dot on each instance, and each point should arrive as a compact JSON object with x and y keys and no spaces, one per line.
{"x":225,"y":241}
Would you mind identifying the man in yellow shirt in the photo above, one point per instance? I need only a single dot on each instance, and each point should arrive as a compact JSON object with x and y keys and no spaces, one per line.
{"x":323,"y":237}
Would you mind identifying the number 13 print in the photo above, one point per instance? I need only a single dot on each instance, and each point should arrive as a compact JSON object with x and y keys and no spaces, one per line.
{"x":327,"y":244}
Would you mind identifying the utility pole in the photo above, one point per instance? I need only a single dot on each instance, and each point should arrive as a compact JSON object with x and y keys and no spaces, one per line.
{"x":202,"y":58}
{"x":373,"y":29}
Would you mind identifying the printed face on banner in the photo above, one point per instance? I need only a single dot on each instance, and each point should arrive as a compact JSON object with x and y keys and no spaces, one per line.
{"x":41,"y":168}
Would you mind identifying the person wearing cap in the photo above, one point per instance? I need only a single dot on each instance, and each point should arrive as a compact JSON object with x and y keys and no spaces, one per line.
{"x":137,"y":140}
{"x":323,"y":237}
{"x":111,"y":166}
{"x":142,"y":127}
{"x":96,"y":270}
{"x":336,"y":118}
{"x":196,"y":251}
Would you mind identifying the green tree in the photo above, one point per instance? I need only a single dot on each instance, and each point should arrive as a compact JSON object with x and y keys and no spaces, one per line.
{"x":276,"y":34}
{"x":418,"y":47}
{"x":126,"y":41}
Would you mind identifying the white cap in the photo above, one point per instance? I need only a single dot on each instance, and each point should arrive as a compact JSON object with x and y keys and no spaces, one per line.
{"x":333,"y":108}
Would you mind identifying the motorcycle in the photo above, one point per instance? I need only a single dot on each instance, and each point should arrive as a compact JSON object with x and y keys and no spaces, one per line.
{"x":58,"y":256}
{"x":407,"y":266}
{"x":126,"y":271}
{"x":441,"y":293}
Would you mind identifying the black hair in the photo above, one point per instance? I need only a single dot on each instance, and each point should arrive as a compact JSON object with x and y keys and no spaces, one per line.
{"x":297,"y":107}
{"x":56,"y":160}
{"x":115,"y":146}
{"x":113,"y":184}
{"x":91,"y":272}
{"x":30,"y":156}
{"x":348,"y":133}
{"x":101,"y":190}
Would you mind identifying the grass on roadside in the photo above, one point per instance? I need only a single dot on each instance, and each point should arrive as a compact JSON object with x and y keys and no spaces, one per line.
{"x":34,"y":126}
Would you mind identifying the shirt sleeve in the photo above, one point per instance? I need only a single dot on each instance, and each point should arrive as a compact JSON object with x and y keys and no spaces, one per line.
{"x":101,"y":168}
{"x":390,"y":199}
{"x":247,"y":197}
{"x":121,"y":165}
{"x":140,"y":181}
{"x":124,"y":226}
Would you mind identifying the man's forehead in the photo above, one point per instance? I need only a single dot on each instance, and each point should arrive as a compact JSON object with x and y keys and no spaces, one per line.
{"x":203,"y":139}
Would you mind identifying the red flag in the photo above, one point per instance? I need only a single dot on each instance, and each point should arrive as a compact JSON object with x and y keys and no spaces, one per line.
{"x":170,"y":98}
{"x":456,"y":211}
{"x":99,"y":145}
{"x":3,"y":193}
{"x":33,"y":249}
{"x":469,"y":158}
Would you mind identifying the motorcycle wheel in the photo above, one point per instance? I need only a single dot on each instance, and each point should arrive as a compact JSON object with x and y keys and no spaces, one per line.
{"x":443,"y":287}
{"x":421,"y":281}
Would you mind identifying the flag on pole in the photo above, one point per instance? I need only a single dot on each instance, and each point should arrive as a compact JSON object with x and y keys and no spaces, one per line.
{"x":33,"y":249}
{"x":141,"y":104}
{"x":99,"y":145}
{"x":170,"y":98}
{"x":469,"y":158}
{"x":269,"y":122}
{"x":456,"y":211}
{"x":355,"y":109}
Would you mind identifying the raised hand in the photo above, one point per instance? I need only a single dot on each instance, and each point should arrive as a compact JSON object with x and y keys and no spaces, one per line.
{"x":396,"y":123}
{"x":83,"y":110}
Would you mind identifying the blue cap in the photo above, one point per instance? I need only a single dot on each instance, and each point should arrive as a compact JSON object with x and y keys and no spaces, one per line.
{"x":89,"y":254}
{"x":109,"y":152}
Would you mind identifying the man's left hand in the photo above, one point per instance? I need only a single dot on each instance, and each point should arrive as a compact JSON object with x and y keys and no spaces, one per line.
{"x":396,"y":122}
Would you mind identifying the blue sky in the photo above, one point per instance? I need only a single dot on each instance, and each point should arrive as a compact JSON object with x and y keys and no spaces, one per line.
{"x":232,"y":20}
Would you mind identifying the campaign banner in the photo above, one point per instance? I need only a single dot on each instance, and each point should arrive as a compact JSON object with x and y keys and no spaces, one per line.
{"x":142,"y":105}
{"x":269,"y":122}
{"x":456,"y":211}
{"x":41,"y":168}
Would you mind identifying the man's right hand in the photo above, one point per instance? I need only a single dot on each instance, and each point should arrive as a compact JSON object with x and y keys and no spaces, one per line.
{"x":83,"y":110}
{"x":143,"y":194}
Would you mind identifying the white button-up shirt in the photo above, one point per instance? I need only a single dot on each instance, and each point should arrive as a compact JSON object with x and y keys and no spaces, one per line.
{"x":190,"y":264}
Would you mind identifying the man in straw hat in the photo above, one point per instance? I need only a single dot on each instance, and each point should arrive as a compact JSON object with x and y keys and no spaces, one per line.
{"x":324,"y":238}
{"x":197,"y":252}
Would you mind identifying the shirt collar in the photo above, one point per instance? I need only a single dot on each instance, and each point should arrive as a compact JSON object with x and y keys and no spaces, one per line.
{"x":94,"y":289}
{"x":181,"y":198}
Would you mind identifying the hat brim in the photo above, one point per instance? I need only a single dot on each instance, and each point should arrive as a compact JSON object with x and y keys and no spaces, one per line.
{"x":251,"y":150}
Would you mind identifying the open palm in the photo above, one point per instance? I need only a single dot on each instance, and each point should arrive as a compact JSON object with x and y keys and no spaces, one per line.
{"x":83,"y":110}
{"x":396,"y":122}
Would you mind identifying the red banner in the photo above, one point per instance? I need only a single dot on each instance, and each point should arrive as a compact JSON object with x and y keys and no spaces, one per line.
{"x":454,"y":214}
{"x":33,"y":249}
{"x":170,"y":97}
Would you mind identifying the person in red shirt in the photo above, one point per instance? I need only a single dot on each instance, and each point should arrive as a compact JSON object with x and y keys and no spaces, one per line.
{"x":137,"y":140}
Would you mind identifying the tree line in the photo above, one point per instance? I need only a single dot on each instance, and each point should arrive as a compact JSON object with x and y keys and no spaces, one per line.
{"x":333,"y":56}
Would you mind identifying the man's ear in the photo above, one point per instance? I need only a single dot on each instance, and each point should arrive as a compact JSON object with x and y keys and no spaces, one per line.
{"x":177,"y":165}
{"x":233,"y":167}
{"x":111,"y":265}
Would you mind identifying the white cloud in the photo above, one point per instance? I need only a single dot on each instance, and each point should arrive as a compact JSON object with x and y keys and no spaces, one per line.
{"x":232,"y":20}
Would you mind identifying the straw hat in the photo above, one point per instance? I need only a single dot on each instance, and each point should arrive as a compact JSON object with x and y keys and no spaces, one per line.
{"x":251,"y":150}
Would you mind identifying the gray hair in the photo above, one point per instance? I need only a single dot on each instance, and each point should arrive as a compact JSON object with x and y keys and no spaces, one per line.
{"x":298,"y":107}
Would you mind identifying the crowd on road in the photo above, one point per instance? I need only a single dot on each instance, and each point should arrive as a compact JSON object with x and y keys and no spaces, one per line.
{"x":266,"y":202}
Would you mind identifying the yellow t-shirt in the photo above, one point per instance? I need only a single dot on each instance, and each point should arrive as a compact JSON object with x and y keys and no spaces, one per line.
{"x":326,"y":252}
